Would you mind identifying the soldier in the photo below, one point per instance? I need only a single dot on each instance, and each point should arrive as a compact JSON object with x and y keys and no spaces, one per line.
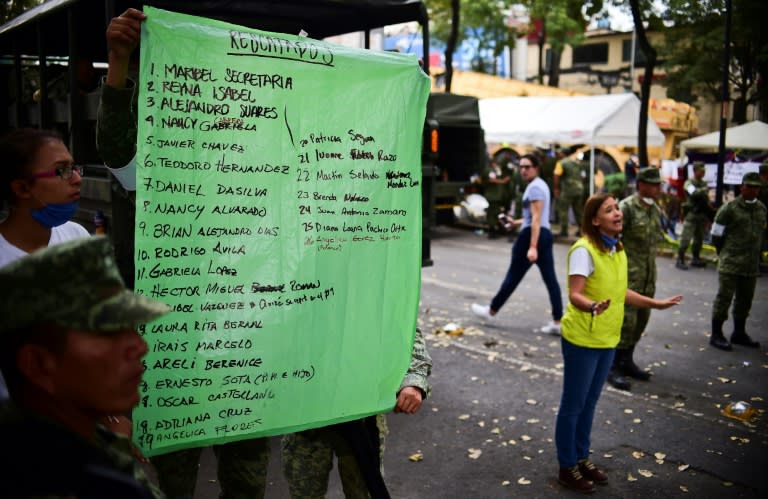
{"x":496,"y":189}
{"x":616,"y":184}
{"x":242,"y":465}
{"x":72,"y":357}
{"x":640,"y":235}
{"x":736,"y":233}
{"x":308,"y":455}
{"x":697,"y":210}
{"x":569,"y":192}
{"x":764,"y":198}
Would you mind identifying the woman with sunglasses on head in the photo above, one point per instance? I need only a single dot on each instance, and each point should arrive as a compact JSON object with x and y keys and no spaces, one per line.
{"x":39,"y":191}
{"x":532,"y":246}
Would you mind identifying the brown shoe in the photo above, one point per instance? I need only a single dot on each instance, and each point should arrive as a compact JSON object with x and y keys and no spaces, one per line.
{"x":592,"y":472}
{"x":574,"y":480}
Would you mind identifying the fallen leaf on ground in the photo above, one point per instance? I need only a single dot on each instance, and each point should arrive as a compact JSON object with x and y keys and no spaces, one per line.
{"x":631,"y":478}
{"x":505,"y":483}
{"x":727,"y":484}
{"x":608,"y":456}
{"x":638,"y":454}
{"x":481,"y":424}
{"x":496,"y":431}
{"x":464,"y":417}
{"x":683,"y":467}
{"x":637,"y":420}
{"x":474,"y":453}
{"x":416,"y":457}
{"x":532,"y":421}
{"x":531,"y":402}
{"x":646,"y":473}
{"x":660,"y":455}
{"x":525,"y":438}
{"x":627,"y":411}
{"x":684,"y":488}
{"x":724,"y":380}
{"x":523,"y":481}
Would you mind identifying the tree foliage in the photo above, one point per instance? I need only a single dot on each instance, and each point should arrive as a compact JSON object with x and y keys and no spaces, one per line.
{"x":564,"y":24}
{"x":482,"y":25}
{"x":12,"y":8}
{"x":693,"y":52}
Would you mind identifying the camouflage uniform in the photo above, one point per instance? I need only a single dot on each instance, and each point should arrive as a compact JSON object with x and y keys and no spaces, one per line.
{"x":51,"y":459}
{"x":308,"y":455}
{"x":242,"y":465}
{"x":571,"y":188}
{"x":697,"y":215}
{"x":737,"y":230}
{"x":616,"y":184}
{"x":497,"y":195}
{"x":640,"y":235}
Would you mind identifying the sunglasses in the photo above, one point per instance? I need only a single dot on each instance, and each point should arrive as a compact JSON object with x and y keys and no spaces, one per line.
{"x":65,"y":172}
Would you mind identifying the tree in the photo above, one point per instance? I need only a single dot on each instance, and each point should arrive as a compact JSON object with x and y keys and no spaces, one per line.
{"x":12,"y":8}
{"x":693,"y":53}
{"x":481,"y":23}
{"x":564,"y":24}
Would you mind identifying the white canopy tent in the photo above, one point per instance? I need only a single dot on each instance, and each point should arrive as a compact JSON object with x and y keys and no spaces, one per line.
{"x":753,"y":135}
{"x":593,"y":120}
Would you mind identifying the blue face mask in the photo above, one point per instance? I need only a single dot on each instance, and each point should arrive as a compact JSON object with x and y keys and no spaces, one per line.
{"x":55,"y":214}
{"x":609,"y":241}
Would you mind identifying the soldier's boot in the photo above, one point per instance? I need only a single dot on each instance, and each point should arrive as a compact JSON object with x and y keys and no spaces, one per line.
{"x":717,"y":339}
{"x":740,"y":336}
{"x":680,"y":264}
{"x":698,"y":262}
{"x":615,"y":379}
{"x":629,"y":368}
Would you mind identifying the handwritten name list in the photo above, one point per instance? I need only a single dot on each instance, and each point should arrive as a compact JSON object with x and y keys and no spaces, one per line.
{"x":279,"y":215}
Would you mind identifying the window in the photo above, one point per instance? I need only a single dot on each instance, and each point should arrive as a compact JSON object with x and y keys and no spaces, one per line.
{"x":594,"y":53}
{"x":626,"y":50}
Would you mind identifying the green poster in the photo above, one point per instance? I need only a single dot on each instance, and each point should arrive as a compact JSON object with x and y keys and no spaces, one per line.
{"x":278,"y":211}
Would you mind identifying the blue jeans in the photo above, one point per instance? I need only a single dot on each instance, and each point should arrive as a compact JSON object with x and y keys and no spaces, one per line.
{"x":520,"y":265}
{"x":585,"y":372}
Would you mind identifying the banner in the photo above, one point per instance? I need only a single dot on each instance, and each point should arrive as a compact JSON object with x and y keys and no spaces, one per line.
{"x":278,"y":211}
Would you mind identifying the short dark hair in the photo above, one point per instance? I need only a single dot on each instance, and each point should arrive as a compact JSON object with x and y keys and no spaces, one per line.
{"x":530,"y":157}
{"x":18,"y":150}
{"x":590,"y":231}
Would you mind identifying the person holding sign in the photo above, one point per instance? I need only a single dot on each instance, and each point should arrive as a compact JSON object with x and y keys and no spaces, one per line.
{"x":242,"y":465}
{"x":72,"y":357}
{"x":308,"y":455}
{"x":597,"y":292}
{"x":532,"y":246}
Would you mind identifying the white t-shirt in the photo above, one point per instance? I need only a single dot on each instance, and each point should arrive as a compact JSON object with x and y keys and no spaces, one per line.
{"x":10,"y":253}
{"x":61,"y":234}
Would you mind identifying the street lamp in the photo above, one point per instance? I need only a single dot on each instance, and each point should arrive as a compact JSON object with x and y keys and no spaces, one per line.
{"x":608,"y":80}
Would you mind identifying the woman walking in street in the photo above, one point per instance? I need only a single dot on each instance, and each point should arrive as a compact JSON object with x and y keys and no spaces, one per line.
{"x":591,"y":328}
{"x":532,"y":246}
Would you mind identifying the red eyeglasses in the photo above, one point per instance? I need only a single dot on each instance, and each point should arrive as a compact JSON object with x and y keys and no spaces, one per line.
{"x":65,"y":172}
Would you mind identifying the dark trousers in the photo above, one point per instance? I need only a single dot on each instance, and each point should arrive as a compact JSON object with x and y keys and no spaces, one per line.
{"x":519,"y":266}
{"x":584,"y":373}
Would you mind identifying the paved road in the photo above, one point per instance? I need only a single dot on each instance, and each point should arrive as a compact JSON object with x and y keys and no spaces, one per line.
{"x":497,"y":388}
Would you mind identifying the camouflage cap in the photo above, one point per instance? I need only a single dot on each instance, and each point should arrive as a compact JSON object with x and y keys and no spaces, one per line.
{"x":698,"y":165}
{"x":649,"y":175}
{"x":751,"y":178}
{"x":74,"y":285}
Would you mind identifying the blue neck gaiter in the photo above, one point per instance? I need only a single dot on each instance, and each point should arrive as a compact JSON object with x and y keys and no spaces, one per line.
{"x":54,"y":214}
{"x":609,"y":241}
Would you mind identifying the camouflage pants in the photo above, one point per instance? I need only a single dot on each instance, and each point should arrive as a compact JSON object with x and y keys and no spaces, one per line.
{"x":241,"y":470}
{"x":635,"y":319}
{"x":737,"y":288}
{"x":308,"y":459}
{"x":693,"y":230}
{"x":573,"y":200}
